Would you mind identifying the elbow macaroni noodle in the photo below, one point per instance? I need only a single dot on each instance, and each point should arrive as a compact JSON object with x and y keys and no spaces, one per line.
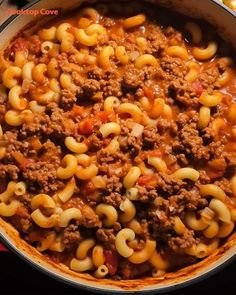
{"x":86,"y":173}
{"x":158,"y":164}
{"x":10,"y":76}
{"x":98,"y":256}
{"x":38,"y":72}
{"x":91,"y":13}
{"x":84,"y":247}
{"x":212,"y":230}
{"x":62,"y":31}
{"x":74,"y":146}
{"x":144,"y":254}
{"x":177,"y":51}
{"x":186,"y":173}
{"x":69,"y":169}
{"x":131,"y":177}
{"x":194,"y":71}
{"x":15,"y":100}
{"x":27,"y":70}
{"x":212,"y":190}
{"x":8,"y":210}
{"x":210,"y":100}
{"x":122,"y":237}
{"x":194,"y":223}
{"x":221,"y":209}
{"x":111,"y":103}
{"x":14,"y":118}
{"x":43,"y":221}
{"x":195,"y":31}
{"x":109,"y":128}
{"x":145,"y":60}
{"x":81,"y":265}
{"x":65,"y":194}
{"x":67,"y":215}
{"x":134,"y":21}
{"x":105,"y":56}
{"x":101,"y":272}
{"x":110,"y":213}
{"x":132,"y":110}
{"x":204,"y":117}
{"x":20,"y":59}
{"x":86,"y":39}
{"x":121,"y":55}
{"x":207,"y":53}
{"x":48,"y":34}
{"x":128,"y":209}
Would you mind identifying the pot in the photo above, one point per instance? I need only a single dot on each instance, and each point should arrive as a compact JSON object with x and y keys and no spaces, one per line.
{"x":225,"y":21}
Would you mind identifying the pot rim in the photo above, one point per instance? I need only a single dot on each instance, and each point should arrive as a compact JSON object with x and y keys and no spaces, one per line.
{"x":26,"y":257}
{"x":33,"y":2}
{"x":100,"y":290}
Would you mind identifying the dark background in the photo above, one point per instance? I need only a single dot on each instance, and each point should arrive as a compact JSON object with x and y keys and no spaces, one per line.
{"x":17,"y":277}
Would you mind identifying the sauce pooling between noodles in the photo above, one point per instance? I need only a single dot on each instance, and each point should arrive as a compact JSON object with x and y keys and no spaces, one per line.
{"x":118,"y":140}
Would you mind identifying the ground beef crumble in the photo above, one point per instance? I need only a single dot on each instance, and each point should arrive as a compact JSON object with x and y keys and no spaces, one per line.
{"x":34,"y":150}
{"x":71,"y":236}
{"x":107,"y":237}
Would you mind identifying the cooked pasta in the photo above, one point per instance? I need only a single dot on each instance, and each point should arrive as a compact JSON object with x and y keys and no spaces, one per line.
{"x":117,"y":140}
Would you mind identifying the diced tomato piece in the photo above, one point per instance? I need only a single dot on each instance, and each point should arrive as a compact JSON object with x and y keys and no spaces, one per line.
{"x":104,"y":116}
{"x":227,"y":99}
{"x":106,"y":141}
{"x":58,"y":257}
{"x":146,"y":180}
{"x":26,"y":163}
{"x":19,"y":45}
{"x":35,"y":45}
{"x":149,"y":92}
{"x":197,"y":85}
{"x":3,"y":184}
{"x":215,"y":174}
{"x":87,"y":188}
{"x":3,"y":248}
{"x":77,"y":110}
{"x":86,"y":126}
{"x":71,"y":30}
{"x":22,"y":212}
{"x":36,"y":144}
{"x":111,"y":261}
{"x":23,"y":162}
{"x":35,"y":236}
{"x":155,"y":153}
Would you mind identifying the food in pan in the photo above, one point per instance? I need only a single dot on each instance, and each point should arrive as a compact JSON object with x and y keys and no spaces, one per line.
{"x":118,"y":140}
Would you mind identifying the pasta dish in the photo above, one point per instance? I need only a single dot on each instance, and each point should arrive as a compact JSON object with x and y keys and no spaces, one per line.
{"x":118,"y":140}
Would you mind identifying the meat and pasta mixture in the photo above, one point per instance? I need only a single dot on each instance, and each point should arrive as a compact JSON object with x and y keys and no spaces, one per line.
{"x":118,"y":140}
